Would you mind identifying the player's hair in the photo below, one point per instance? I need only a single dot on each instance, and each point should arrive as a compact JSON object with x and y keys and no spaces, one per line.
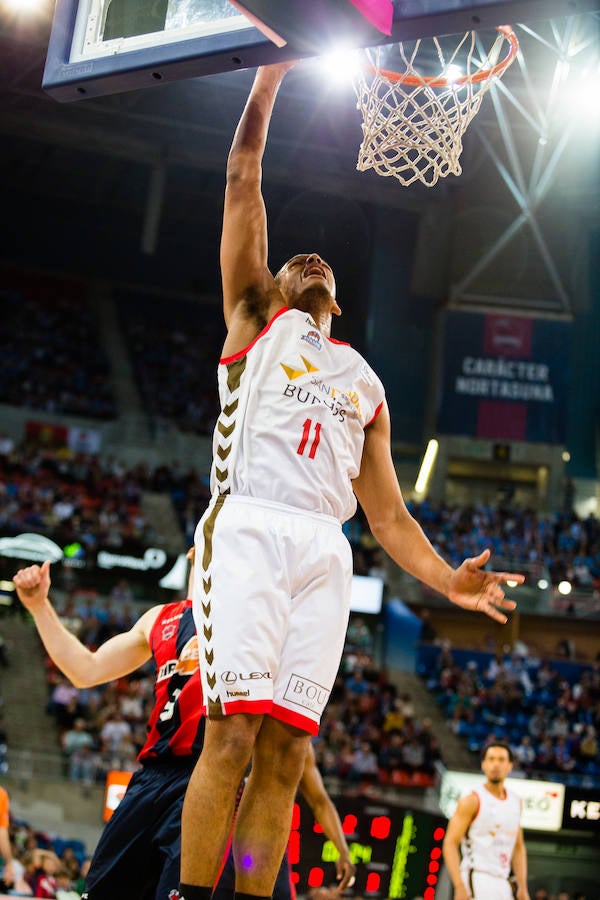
{"x":502,"y":744}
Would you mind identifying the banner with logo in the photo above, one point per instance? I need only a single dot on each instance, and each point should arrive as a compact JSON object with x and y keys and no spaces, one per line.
{"x":542,"y":801}
{"x":152,"y":563}
{"x":114,"y":791}
{"x":582,"y":810}
{"x":505,"y":378}
{"x":168,"y":571}
{"x":51,"y":435}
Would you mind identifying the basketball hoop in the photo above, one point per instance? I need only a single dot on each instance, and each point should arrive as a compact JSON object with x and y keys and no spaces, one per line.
{"x":413,"y":123}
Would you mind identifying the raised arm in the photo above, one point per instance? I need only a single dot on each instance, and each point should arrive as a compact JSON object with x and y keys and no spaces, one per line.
{"x":313,"y":790}
{"x":250,"y":295}
{"x":119,"y":656}
{"x":401,"y":536}
{"x":458,"y":826}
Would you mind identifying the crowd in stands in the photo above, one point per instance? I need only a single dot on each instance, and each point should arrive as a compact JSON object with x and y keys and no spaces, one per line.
{"x":174,"y":350}
{"x":45,"y":865}
{"x":72,"y":498}
{"x":50,"y":355}
{"x":564,"y":545}
{"x":104,"y":727}
{"x":370,"y":733}
{"x":548,"y":712}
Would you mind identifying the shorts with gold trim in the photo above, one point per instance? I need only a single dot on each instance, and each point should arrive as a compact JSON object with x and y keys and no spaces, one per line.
{"x":271,"y":601}
{"x":484,"y":886}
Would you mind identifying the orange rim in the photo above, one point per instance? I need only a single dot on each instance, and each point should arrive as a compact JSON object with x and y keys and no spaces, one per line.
{"x":474,"y":78}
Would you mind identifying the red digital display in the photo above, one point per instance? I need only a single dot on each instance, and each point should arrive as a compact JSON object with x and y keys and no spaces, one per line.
{"x":396,"y":851}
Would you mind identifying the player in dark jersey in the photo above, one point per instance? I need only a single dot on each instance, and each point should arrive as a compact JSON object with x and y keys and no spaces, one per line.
{"x":138,"y":855}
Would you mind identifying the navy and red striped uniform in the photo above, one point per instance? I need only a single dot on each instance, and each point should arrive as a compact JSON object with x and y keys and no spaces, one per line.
{"x":138,"y":854}
{"x":176,"y":725}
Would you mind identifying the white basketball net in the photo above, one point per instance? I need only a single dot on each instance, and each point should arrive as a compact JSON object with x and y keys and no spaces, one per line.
{"x":414,"y":131}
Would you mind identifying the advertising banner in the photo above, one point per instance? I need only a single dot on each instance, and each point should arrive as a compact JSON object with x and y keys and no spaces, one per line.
{"x":542,"y":800}
{"x":114,"y":791}
{"x":150,"y":564}
{"x":582,"y":810}
{"x":505,"y":378}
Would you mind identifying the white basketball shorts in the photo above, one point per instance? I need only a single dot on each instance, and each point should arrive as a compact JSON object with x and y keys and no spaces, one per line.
{"x":487,"y":887}
{"x":271,"y":601}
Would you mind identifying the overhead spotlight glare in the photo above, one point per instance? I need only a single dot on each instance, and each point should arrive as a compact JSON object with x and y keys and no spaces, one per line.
{"x":566,"y":456}
{"x":6,"y":586}
{"x":342,"y":64}
{"x":542,"y":584}
{"x":512,"y":583}
{"x":565,"y":588}
{"x":453,"y":72}
{"x":583,"y":98}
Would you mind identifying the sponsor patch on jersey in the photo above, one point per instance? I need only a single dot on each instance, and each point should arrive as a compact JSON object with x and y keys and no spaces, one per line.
{"x":367,"y":373}
{"x":292,"y":371}
{"x":168,"y":632}
{"x":188,"y":658}
{"x":313,"y":338}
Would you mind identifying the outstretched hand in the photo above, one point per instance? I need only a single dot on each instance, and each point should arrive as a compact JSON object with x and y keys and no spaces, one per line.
{"x":473,"y":588}
{"x":33,"y":584}
{"x":345,"y":870}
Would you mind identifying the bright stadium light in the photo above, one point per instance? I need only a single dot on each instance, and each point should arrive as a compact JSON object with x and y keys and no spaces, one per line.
{"x":511,"y":583}
{"x":342,"y":65}
{"x":565,"y":588}
{"x":453,"y":72}
{"x":583,"y":96}
{"x":542,"y":584}
{"x":426,"y":466}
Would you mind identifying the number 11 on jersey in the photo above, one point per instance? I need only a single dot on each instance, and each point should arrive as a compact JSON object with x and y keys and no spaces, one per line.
{"x":309,"y":427}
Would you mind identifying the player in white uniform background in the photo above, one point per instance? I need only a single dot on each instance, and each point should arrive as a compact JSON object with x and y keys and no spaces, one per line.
{"x":484,"y":841}
{"x":304,"y":430}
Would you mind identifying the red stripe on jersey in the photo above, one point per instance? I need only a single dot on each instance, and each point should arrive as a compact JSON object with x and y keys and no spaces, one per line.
{"x":229,"y":359}
{"x":375,"y":414}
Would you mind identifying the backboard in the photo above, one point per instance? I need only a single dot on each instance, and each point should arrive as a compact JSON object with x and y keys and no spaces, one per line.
{"x":107,"y":46}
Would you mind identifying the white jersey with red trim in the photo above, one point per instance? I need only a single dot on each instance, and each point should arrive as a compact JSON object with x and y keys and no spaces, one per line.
{"x":490,"y":841}
{"x":294,"y":406}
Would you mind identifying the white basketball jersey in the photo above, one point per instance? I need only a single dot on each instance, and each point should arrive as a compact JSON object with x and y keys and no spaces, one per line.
{"x":490,"y":841}
{"x":294,"y":406}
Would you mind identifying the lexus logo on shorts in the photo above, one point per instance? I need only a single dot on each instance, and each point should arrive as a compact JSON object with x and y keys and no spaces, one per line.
{"x":232,"y":677}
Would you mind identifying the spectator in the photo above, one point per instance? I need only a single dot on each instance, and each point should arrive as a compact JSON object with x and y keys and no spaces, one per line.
{"x":588,"y":746}
{"x":63,"y":703}
{"x":76,"y":737}
{"x":364,"y":764}
{"x":525,"y":754}
{"x":8,"y":872}
{"x":115,"y":732}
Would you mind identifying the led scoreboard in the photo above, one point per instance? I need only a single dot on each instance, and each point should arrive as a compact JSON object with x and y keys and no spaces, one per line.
{"x":397,"y":851}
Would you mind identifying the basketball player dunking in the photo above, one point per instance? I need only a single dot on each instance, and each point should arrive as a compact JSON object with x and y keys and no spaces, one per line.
{"x":304,"y":430}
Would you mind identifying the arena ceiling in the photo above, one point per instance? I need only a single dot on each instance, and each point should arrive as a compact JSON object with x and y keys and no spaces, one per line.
{"x":511,"y":232}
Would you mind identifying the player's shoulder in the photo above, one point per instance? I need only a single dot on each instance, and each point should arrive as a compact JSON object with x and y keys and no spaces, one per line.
{"x":469,"y":802}
{"x":162,"y":612}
